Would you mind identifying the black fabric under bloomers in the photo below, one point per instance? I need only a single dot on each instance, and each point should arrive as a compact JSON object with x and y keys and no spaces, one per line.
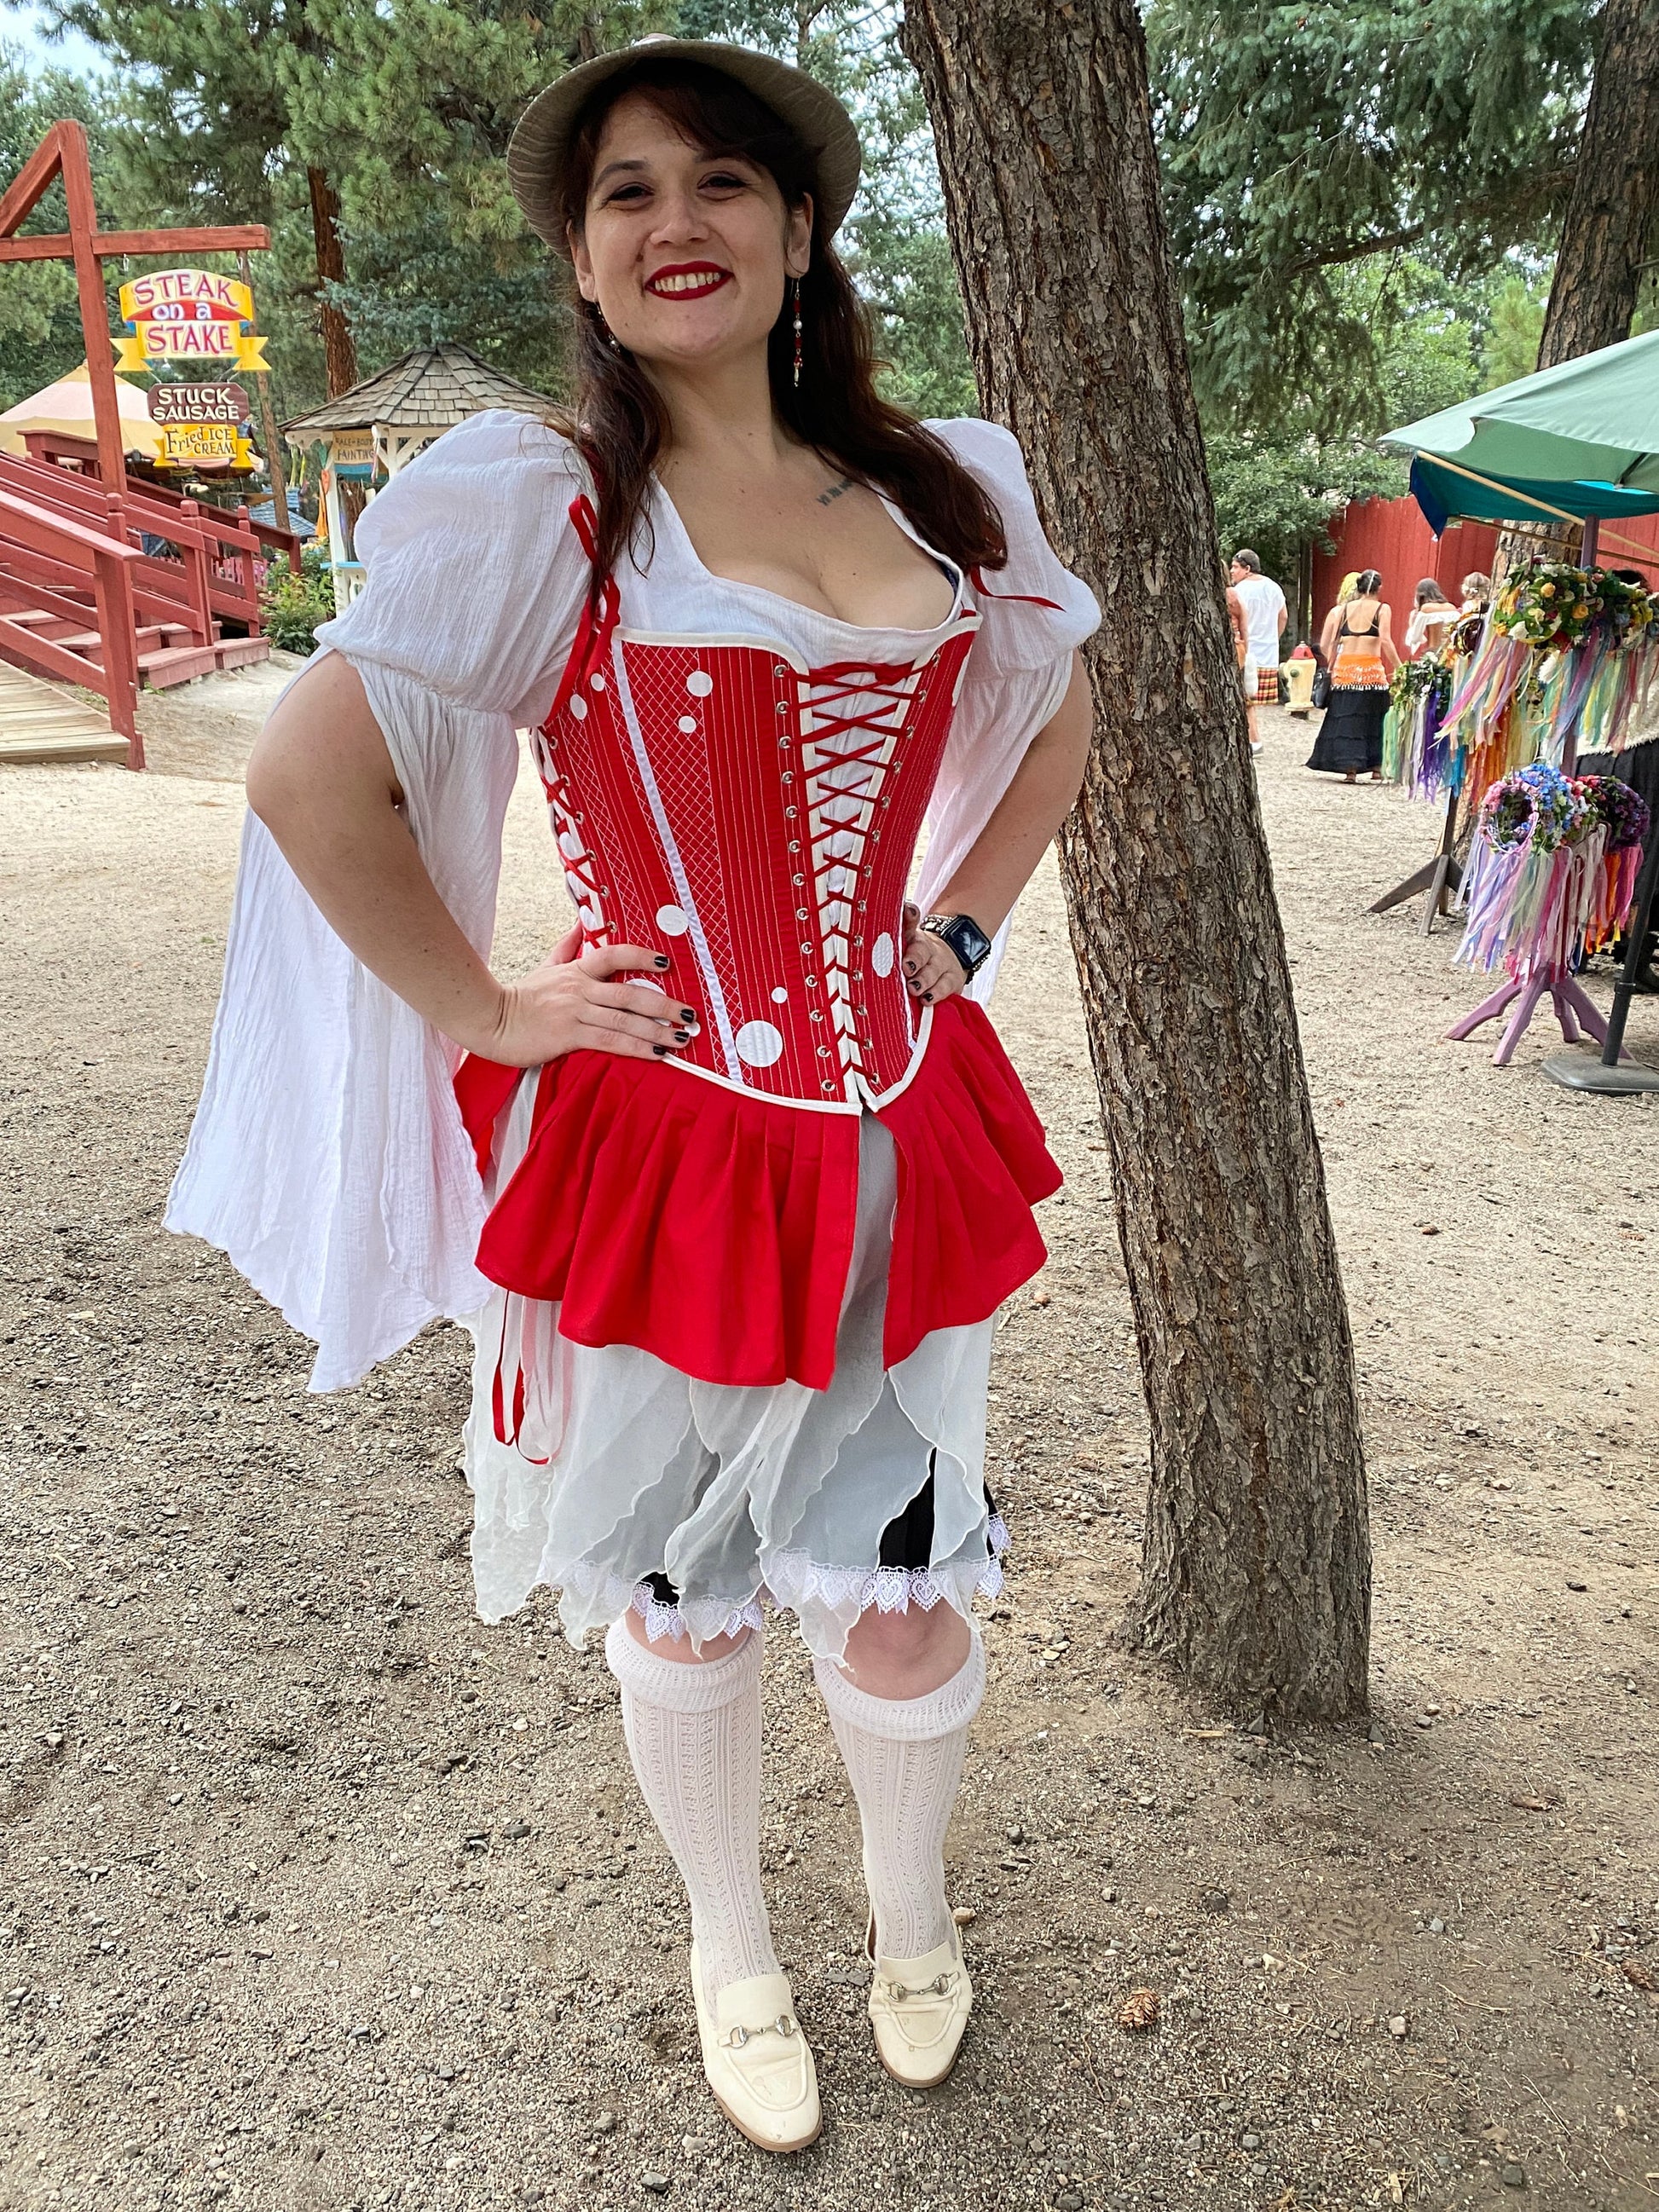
{"x":907,"y":1541}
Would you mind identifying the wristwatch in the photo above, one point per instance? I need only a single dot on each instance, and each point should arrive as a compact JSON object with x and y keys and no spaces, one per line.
{"x":965,"y":939}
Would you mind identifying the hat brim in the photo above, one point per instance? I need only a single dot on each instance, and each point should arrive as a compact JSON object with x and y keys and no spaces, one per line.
{"x":540,"y":145}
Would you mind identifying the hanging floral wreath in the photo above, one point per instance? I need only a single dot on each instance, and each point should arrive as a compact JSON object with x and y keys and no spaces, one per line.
{"x":1535,"y":807}
{"x":1549,"y":606}
{"x":1628,"y":607}
{"x":1615,"y":807}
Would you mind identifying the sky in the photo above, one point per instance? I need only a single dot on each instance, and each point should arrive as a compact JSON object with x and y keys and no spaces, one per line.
{"x":19,"y":29}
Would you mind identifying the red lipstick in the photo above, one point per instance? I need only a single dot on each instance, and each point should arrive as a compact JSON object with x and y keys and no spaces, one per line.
{"x":686,"y":280}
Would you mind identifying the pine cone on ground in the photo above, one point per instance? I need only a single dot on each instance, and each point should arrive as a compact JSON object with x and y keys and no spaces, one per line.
{"x":1140,"y":2010}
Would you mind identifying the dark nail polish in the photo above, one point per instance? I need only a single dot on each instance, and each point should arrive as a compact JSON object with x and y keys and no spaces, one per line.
{"x":682,"y":1037}
{"x":659,"y":1048}
{"x":688,"y":1013}
{"x":663,"y":960}
{"x":926,"y":998}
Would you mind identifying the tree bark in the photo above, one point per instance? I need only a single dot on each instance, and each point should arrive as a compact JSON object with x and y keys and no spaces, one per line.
{"x":339,"y":349}
{"x":1256,"y":1573}
{"x":1614,"y":209}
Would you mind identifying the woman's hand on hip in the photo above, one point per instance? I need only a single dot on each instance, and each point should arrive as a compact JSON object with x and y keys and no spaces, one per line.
{"x":932,"y":970}
{"x":593,"y":1001}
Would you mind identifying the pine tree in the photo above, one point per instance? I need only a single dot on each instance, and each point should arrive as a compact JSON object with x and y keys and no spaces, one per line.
{"x":1295,"y":140}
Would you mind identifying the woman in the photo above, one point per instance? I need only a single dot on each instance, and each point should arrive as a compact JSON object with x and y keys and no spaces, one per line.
{"x":1360,"y":651}
{"x":1431,"y":619}
{"x":1476,"y":589}
{"x":752,"y":1172}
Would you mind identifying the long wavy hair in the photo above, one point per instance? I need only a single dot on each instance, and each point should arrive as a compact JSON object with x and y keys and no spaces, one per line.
{"x":618,"y":421}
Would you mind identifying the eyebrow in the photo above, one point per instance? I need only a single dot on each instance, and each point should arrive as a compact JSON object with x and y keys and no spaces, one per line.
{"x":616,"y":169}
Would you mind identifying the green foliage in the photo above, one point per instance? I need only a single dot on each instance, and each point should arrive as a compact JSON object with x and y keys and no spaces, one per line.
{"x":1510,"y":350}
{"x":1297,"y":140}
{"x":1277,"y":495}
{"x":292,"y":606}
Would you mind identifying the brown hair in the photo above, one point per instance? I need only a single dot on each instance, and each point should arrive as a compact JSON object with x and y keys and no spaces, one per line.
{"x":618,"y":421}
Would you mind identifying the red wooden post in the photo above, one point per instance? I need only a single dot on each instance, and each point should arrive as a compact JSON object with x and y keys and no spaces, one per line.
{"x":94,"y":306}
{"x":193,"y":551}
{"x":112,"y":592}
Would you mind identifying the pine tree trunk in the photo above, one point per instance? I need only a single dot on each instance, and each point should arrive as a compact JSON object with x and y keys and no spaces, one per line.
{"x":339,"y":351}
{"x":1613,"y":211}
{"x":1257,"y":1565}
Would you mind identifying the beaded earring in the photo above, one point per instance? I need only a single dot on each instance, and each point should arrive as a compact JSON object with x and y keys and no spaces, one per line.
{"x":795,"y":281}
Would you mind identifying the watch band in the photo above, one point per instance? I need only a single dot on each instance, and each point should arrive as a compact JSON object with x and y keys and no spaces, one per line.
{"x":966,"y":939}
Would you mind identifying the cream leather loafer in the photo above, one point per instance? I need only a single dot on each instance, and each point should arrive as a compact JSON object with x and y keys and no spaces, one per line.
{"x":919,"y":2008}
{"x":757,"y":2060}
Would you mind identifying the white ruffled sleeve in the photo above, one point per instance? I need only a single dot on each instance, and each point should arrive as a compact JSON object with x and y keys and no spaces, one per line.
{"x":1035,"y":614}
{"x":327,"y":1158}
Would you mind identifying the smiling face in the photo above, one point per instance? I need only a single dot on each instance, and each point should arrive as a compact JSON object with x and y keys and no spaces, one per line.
{"x":686,"y":254}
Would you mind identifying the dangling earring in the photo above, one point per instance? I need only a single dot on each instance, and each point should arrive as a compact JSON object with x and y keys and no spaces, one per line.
{"x":605,"y":331}
{"x":796,"y":283}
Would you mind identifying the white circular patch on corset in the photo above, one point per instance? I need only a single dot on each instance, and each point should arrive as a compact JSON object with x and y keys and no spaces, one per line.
{"x":673,"y":920}
{"x":699,"y":683}
{"x":881,"y":954}
{"x":596,"y":681}
{"x":779,"y":997}
{"x":759,"y":1044}
{"x":579,"y":707}
{"x":687,"y":723}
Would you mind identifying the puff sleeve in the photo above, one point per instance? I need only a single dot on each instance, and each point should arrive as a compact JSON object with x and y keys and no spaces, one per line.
{"x":327,"y":1158}
{"x":1035,"y":613}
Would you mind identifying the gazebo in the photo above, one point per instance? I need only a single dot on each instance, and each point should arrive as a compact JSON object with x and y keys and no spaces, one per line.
{"x":369,"y":433}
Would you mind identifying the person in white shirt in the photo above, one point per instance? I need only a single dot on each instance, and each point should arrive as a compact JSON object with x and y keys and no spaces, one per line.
{"x":1265,"y":616}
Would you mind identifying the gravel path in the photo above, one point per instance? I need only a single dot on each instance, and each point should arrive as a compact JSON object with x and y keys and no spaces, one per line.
{"x":316,"y":1893}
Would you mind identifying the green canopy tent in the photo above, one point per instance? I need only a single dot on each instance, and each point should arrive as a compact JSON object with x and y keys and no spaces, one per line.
{"x":1578,"y":442}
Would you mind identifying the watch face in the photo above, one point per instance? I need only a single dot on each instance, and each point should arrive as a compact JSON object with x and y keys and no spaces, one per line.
{"x":975,"y":942}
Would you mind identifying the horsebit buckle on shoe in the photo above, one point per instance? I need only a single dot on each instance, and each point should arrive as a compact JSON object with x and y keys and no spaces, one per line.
{"x":782,"y":2025}
{"x":939,"y":1987}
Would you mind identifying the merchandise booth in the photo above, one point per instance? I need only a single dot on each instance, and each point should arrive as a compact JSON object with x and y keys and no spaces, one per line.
{"x":1564,"y":664}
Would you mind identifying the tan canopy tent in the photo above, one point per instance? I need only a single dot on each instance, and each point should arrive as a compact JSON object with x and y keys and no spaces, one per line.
{"x":66,"y":408}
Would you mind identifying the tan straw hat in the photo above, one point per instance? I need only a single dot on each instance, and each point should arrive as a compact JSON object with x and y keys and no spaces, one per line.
{"x":541,"y":142}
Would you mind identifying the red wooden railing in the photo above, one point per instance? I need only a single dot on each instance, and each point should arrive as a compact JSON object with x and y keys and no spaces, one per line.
{"x":39,"y":551}
{"x":212,"y":576}
{"x":57,"y":446}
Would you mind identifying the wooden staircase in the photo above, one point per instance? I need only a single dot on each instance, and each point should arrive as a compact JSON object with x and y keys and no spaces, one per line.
{"x":116,"y":592}
{"x":166,"y":653}
{"x":43,"y":722}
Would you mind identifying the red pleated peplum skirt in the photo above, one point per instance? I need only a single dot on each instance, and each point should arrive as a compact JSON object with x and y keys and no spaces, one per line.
{"x":714,"y":1228}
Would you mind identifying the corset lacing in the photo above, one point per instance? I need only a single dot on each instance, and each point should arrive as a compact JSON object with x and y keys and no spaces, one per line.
{"x":854,"y":711}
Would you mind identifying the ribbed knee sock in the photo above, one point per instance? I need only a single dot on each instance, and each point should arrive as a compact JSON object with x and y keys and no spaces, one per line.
{"x":904,"y":1757}
{"x":694,"y":1734}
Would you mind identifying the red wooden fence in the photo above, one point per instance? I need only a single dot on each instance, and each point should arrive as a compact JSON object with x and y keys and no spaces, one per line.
{"x":1391,"y":536}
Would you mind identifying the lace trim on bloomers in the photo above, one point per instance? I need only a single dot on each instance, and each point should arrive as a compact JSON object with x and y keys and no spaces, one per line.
{"x":794,"y":1578}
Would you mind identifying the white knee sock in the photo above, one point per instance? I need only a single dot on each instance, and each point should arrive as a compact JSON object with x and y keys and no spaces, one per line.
{"x":694,"y":1734}
{"x":904,"y":1757}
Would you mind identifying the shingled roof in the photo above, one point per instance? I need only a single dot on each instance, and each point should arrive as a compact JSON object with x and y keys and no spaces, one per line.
{"x":431,"y":388}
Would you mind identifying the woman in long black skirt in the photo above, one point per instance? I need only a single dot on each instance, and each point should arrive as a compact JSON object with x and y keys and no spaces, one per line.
{"x":1360,"y":652}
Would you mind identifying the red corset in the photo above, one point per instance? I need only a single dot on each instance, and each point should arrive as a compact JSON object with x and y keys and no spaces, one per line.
{"x":757,"y":820}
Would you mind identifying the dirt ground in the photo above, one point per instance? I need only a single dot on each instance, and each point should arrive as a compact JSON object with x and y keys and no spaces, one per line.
{"x":317,"y":1894}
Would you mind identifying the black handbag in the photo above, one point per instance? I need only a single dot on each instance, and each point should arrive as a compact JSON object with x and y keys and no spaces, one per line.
{"x":1322,"y":688}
